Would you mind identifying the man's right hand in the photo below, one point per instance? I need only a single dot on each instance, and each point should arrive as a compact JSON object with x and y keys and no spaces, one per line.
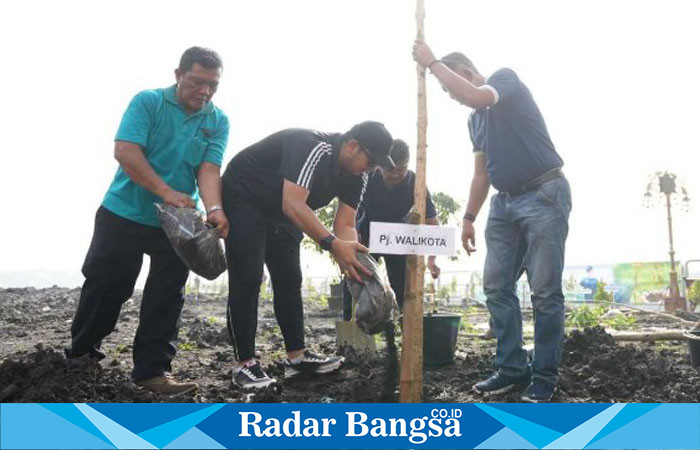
{"x":468,"y":240}
{"x":345,"y":254}
{"x":178,"y":199}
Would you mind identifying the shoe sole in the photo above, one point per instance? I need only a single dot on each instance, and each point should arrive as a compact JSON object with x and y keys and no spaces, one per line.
{"x":187,"y":391}
{"x":171,"y":394}
{"x":502,"y":390}
{"x":532,"y":400}
{"x":290,"y":372}
{"x":331,"y":367}
{"x":255,"y":385}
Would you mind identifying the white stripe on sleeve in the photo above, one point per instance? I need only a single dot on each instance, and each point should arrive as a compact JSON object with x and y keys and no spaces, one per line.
{"x":311,"y":163}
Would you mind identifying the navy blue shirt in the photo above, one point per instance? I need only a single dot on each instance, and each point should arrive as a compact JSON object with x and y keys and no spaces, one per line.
{"x":383,"y":203}
{"x":512,"y":134}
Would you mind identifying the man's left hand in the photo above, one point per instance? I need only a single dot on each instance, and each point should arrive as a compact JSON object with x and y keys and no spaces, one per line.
{"x":422,"y":53}
{"x":433,"y":267}
{"x":219,"y":220}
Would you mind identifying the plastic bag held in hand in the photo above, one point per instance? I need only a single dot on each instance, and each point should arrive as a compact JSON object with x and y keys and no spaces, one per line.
{"x":197,"y":244}
{"x":376,"y":301}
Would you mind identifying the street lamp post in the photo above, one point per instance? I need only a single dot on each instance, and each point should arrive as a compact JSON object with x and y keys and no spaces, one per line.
{"x":667,"y":189}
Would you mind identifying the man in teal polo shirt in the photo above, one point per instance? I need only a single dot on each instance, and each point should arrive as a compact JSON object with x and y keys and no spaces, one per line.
{"x":169,"y":146}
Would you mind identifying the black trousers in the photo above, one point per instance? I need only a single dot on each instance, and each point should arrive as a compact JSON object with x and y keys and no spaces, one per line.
{"x":257,"y":238}
{"x":395,"y":269}
{"x":111,"y":268}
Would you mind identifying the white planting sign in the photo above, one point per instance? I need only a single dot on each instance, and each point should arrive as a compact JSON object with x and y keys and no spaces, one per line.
{"x":405,"y":239}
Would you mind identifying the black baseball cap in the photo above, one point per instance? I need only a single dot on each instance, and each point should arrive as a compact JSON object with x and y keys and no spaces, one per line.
{"x":376,"y":139}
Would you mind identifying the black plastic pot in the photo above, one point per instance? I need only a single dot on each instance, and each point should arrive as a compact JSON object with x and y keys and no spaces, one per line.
{"x":693,"y":338}
{"x":440,"y":332}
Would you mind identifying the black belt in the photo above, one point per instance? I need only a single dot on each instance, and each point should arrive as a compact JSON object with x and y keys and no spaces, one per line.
{"x":536,"y":182}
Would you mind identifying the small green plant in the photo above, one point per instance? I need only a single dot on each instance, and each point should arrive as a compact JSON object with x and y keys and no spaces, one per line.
{"x":468,"y":327}
{"x":585,"y":316}
{"x":444,"y":293}
{"x":121,"y":348}
{"x":270,"y":332}
{"x":601,"y":295}
{"x":187,"y":346}
{"x":212,"y":320}
{"x":571,"y":283}
{"x":620,"y":322}
{"x":327,"y":217}
{"x":265,"y":295}
{"x":448,"y":213}
{"x":317,"y":299}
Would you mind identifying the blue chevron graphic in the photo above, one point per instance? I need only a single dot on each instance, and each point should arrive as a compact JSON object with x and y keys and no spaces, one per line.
{"x":582,"y":435}
{"x":162,"y":435}
{"x":194,"y":439}
{"x":120,"y":436}
{"x":55,"y":432}
{"x":505,"y":439}
{"x":550,"y":414}
{"x":531,"y":432}
{"x":630,"y":412}
{"x":667,"y":426}
{"x":71,"y":413}
{"x":138,"y":420}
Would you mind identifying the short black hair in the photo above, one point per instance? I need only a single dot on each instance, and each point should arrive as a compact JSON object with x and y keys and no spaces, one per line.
{"x":455,"y":59}
{"x":399,"y":151}
{"x":205,"y":57}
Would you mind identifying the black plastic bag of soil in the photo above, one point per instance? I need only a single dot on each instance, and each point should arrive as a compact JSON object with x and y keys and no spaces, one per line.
{"x":376,"y":301}
{"x":196,"y":242}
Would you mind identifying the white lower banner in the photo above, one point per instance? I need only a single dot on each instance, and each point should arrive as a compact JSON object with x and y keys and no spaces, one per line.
{"x":405,"y":239}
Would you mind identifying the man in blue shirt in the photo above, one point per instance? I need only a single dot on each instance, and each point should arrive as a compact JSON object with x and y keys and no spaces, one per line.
{"x":169,"y":146}
{"x":590,"y":283}
{"x":528,"y":220}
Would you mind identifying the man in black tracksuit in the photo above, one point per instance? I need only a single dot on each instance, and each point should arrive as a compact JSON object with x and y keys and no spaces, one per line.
{"x":270,"y":192}
{"x":389,"y":198}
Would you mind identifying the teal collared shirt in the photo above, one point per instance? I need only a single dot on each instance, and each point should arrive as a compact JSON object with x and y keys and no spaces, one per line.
{"x":174,"y":143}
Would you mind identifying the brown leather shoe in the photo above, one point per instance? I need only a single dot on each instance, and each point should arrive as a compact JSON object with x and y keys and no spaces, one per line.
{"x":165,"y":384}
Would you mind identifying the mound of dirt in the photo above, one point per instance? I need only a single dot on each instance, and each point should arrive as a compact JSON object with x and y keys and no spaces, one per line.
{"x":47,"y":376}
{"x":206,"y":333}
{"x":596,"y":367}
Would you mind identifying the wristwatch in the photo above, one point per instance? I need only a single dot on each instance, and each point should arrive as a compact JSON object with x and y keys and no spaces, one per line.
{"x":469,"y":216}
{"x":327,"y":242}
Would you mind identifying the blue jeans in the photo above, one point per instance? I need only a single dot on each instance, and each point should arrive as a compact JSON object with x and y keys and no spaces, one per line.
{"x":527,"y":233}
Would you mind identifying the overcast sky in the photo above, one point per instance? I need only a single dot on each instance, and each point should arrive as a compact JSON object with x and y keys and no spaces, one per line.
{"x":617,"y":83}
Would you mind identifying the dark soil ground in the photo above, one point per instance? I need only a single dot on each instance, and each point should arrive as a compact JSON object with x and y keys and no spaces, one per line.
{"x":35,"y":327}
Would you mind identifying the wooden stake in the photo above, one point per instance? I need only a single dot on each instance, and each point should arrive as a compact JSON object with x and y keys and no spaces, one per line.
{"x":411,"y":382}
{"x":669,"y":335}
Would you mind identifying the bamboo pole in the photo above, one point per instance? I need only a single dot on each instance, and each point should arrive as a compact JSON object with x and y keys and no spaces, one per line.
{"x":651,"y":336}
{"x":411,"y":379}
